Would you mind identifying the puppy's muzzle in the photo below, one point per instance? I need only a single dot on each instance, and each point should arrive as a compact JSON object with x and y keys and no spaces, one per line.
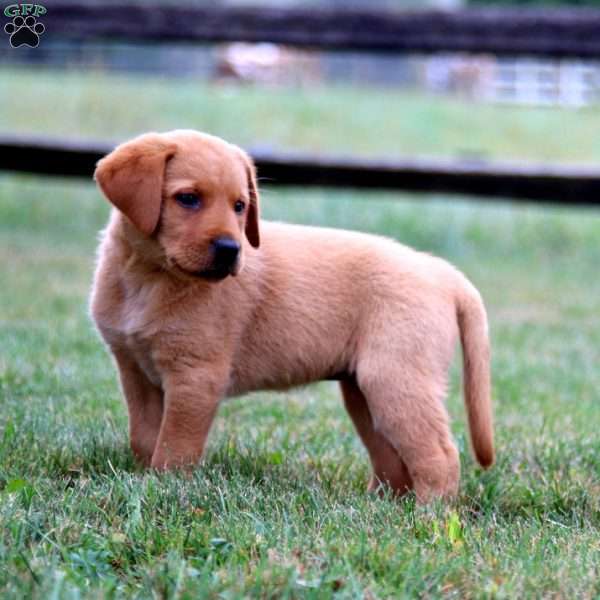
{"x":225,"y":252}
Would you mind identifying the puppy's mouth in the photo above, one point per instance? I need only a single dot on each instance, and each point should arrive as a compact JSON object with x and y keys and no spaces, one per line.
{"x":213,"y":273}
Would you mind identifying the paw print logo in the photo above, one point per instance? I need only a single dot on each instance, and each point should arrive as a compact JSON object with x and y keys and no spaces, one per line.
{"x":24,"y":31}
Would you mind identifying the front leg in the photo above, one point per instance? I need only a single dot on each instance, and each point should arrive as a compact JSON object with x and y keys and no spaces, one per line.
{"x":191,"y":401}
{"x":144,"y":404}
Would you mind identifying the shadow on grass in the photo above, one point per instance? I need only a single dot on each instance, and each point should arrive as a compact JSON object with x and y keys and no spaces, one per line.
{"x":99,"y":458}
{"x":511,"y":492}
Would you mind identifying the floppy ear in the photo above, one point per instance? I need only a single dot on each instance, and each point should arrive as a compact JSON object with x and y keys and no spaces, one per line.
{"x":131,"y":177}
{"x":252,"y":232}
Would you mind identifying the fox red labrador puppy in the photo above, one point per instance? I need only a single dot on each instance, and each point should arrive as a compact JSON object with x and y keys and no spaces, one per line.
{"x":199,"y":300}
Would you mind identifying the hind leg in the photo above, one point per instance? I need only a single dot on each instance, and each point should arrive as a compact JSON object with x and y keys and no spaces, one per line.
{"x":409,"y":413}
{"x":388,"y":467}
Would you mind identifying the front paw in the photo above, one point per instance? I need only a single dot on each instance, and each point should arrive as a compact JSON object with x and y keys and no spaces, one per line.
{"x":163,"y":460}
{"x":142,"y":453}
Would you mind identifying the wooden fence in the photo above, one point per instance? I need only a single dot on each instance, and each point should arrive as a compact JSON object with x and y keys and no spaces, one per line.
{"x":556,"y":184}
{"x":557,"y":33}
{"x":541,"y":32}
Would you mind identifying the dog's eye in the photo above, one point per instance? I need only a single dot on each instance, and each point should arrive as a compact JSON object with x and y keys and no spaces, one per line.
{"x":239,"y":207}
{"x":188,"y":199}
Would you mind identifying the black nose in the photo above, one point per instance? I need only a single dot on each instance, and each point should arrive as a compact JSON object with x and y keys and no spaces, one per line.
{"x":225,"y":251}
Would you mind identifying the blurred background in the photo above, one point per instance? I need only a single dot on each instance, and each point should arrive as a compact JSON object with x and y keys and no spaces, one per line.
{"x":516,"y":80}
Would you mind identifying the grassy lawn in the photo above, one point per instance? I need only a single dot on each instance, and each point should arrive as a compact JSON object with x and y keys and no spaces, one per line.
{"x":335,"y":119}
{"x":278,"y":509}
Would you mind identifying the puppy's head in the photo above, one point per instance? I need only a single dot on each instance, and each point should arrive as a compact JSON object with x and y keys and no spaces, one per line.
{"x":191,"y":194}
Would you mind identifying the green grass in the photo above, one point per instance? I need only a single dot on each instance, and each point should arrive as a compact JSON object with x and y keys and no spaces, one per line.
{"x":278,"y":508}
{"x":334,"y":119}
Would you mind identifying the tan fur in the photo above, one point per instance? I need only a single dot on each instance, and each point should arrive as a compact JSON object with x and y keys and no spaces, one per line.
{"x":303,"y":304}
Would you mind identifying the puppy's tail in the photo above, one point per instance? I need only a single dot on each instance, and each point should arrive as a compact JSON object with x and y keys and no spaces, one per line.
{"x":472,"y":322}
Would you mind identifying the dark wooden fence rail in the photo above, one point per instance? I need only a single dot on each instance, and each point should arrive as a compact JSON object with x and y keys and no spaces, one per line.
{"x":561,"y":184}
{"x":535,"y":32}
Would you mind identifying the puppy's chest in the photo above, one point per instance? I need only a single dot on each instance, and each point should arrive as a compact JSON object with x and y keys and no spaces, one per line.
{"x":140,"y":347}
{"x":137,"y":326}
{"x":152,"y":324}
{"x":141,"y":351}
